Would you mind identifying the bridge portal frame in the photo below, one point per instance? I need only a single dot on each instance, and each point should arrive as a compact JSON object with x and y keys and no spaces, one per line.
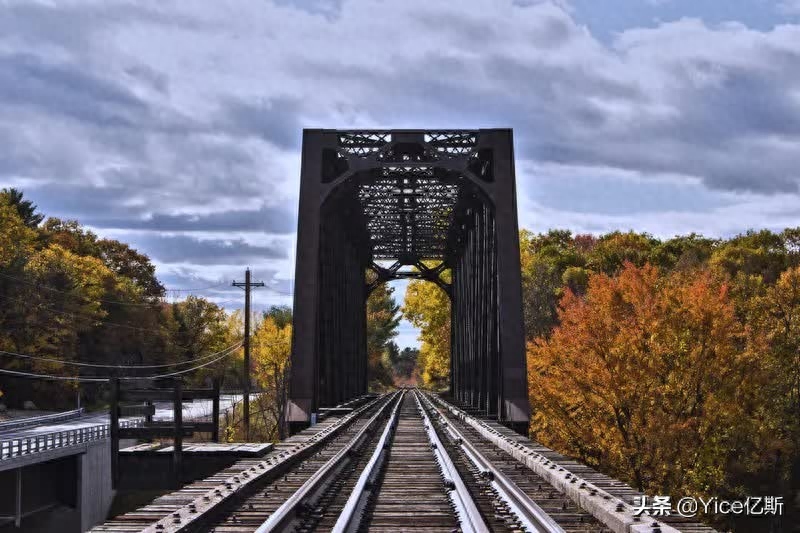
{"x":338,"y":242}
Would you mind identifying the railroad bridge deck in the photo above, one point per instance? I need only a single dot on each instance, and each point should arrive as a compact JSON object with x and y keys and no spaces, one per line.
{"x":403,"y":461}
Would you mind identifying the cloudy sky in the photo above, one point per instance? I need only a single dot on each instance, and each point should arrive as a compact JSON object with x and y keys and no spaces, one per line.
{"x":175,"y":125}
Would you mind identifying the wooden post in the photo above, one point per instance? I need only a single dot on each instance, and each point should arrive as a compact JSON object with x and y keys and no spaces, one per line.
{"x":114,"y":423}
{"x":246,"y":384}
{"x":215,"y":412}
{"x":18,"y":500}
{"x":177,"y":448}
{"x":248,"y":285}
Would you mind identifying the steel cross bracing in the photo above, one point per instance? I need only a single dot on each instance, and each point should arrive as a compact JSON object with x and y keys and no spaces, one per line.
{"x":434,"y":205}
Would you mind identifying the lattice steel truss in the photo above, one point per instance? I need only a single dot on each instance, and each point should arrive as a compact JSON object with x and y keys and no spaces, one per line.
{"x":409,"y":212}
{"x":412,"y":199}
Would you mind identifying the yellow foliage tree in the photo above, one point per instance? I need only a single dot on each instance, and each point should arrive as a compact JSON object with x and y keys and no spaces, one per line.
{"x":775,"y":339}
{"x":271,"y":347}
{"x":16,"y":239}
{"x":427,"y":307}
{"x":382,"y":320}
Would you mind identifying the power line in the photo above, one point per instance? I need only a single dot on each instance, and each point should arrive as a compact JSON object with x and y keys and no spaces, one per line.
{"x":223,"y":303}
{"x":124,"y":378}
{"x":49,"y":377}
{"x":198,"y":289}
{"x":98,"y":365}
{"x":162,"y":376}
{"x":278,"y":291}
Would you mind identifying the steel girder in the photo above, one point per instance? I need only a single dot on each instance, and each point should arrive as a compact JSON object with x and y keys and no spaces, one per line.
{"x":417,"y":198}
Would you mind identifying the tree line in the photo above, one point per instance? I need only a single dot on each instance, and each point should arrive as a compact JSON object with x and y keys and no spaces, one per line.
{"x":68,"y":296}
{"x":672,"y":364}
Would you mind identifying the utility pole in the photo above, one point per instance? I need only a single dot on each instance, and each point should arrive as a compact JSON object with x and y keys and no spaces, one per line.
{"x":247,"y":285}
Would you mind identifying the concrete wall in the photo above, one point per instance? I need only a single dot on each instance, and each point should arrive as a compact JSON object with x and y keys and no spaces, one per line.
{"x":67,"y":494}
{"x":153,"y":470}
{"x":94,"y":484}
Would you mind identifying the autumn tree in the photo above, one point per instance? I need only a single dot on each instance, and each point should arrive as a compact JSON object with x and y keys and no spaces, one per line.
{"x":16,"y":238}
{"x":774,"y":328}
{"x":427,"y":307}
{"x":271,"y":348}
{"x":754,"y":253}
{"x":127,"y":262}
{"x":68,"y":296}
{"x":644,"y":377}
{"x":199,"y":327}
{"x":16,"y":244}
{"x":549,"y":262}
{"x":53,"y":324}
{"x":682,"y":252}
{"x":270,"y":352}
{"x":281,"y":314}
{"x":633,"y":340}
{"x":26,"y":209}
{"x":614,"y":249}
{"x":70,"y":235}
{"x":382,"y":321}
{"x":405,"y":362}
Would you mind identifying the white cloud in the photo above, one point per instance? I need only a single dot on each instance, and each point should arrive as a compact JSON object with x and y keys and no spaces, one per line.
{"x":185,"y":109}
{"x":789,"y":7}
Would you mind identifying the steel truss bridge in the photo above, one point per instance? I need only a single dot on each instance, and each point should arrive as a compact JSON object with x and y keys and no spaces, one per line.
{"x":427,"y":204}
{"x":377,"y":206}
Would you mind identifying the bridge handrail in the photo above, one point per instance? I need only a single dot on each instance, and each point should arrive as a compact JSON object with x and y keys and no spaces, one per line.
{"x":41,"y":419}
{"x":18,"y":446}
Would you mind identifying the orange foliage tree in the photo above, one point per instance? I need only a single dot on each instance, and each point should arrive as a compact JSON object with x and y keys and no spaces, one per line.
{"x":646,"y":378}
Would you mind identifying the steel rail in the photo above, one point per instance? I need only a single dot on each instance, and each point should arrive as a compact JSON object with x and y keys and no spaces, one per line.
{"x":207,"y":500}
{"x":348,"y":518}
{"x":469,"y":516}
{"x":533,"y":517}
{"x":283,"y":516}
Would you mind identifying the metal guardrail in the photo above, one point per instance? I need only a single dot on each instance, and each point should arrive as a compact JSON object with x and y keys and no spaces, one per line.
{"x":32,"y":444}
{"x":42,"y":419}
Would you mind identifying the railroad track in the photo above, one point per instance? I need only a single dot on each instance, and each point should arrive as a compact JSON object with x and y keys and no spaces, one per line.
{"x":406,"y":461}
{"x":404,"y":469}
{"x":608,"y":498}
{"x":215,"y":500}
{"x":409,"y":485}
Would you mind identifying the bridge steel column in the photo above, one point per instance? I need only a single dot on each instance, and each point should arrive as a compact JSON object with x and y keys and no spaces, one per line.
{"x":417,"y":198}
{"x":329,"y":326}
{"x":304,"y":367}
{"x":512,"y":397}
